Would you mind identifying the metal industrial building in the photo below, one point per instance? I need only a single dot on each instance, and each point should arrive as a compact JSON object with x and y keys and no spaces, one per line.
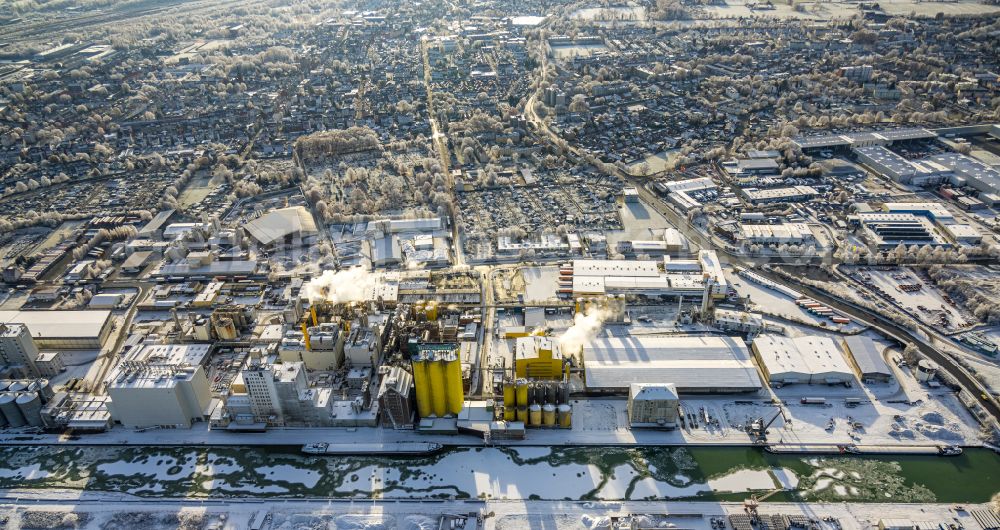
{"x":694,"y":364}
{"x":652,"y":405}
{"x":669,"y":277}
{"x":291,"y":227}
{"x":64,"y":330}
{"x":809,"y":359}
{"x":866,"y":358}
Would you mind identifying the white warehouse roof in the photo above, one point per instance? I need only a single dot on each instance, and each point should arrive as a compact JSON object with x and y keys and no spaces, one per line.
{"x":807,"y":359}
{"x":691,"y":363}
{"x":81,"y":324}
{"x":277,"y":224}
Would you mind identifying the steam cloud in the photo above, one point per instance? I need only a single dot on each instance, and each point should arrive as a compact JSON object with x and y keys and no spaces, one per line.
{"x":584,"y":329}
{"x":350,"y":285}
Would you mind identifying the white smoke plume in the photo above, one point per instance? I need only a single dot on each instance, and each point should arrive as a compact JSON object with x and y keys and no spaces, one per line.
{"x":585,"y":327}
{"x":349,"y":285}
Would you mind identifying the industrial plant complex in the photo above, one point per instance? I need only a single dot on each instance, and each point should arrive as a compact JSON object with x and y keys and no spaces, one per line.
{"x":643,"y":264}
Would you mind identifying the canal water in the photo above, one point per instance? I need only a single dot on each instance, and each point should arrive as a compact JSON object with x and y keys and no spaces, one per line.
{"x":610,"y":473}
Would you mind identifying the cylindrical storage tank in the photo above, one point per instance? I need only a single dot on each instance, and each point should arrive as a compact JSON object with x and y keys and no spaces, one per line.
{"x":422,"y":384}
{"x":522,"y":393}
{"x":564,"y":392}
{"x":535,"y":414}
{"x":453,"y":382}
{"x":4,"y":384}
{"x":551,"y":392}
{"x":17,"y":386}
{"x":549,"y":415}
{"x":8,"y":407}
{"x":508,"y":395}
{"x":521,"y":413}
{"x":31,"y":407}
{"x":532,"y":393}
{"x":439,"y":394}
{"x":45,"y":390}
{"x":508,"y":413}
{"x":565,"y":414}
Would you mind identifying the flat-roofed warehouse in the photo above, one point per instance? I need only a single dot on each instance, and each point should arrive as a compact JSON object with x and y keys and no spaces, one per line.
{"x":866,"y":357}
{"x":694,"y":364}
{"x":64,"y":330}
{"x":808,"y":359}
{"x":293,"y":226}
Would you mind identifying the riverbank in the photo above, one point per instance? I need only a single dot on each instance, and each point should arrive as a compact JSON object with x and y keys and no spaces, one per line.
{"x":92,"y":512}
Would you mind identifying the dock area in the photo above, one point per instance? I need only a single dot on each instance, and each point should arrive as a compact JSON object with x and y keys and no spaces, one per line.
{"x":828,"y":449}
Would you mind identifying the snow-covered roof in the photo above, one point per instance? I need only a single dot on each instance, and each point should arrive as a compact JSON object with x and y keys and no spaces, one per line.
{"x":277,"y":224}
{"x":691,"y":363}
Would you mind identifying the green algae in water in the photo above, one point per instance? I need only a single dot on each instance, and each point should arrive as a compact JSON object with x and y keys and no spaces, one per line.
{"x":221,"y":472}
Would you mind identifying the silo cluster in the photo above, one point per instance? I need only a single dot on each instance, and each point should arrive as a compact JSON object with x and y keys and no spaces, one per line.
{"x":21,"y":402}
{"x":537,"y":403}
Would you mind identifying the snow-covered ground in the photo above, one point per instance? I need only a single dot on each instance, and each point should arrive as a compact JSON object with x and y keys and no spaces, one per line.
{"x":92,"y":512}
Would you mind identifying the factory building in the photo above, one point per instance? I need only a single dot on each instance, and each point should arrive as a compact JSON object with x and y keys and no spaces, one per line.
{"x":888,"y":230}
{"x":49,"y":364}
{"x":18,"y":350}
{"x":537,"y":358}
{"x":771,"y":195}
{"x":866,"y":359}
{"x":437,"y":378}
{"x":693,"y":364}
{"x":395,"y":398}
{"x":652,"y":405}
{"x":785,"y":233}
{"x":861,"y":139}
{"x":279,"y":394}
{"x":283,"y":228}
{"x":738,"y":321}
{"x":898,"y":169}
{"x":669,"y":277}
{"x":810,"y":359}
{"x":319,"y":347}
{"x":64,"y":330}
{"x":160,"y":385}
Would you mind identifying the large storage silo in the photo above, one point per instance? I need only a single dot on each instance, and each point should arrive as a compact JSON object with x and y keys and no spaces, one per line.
{"x":522,"y":392}
{"x":565,"y":413}
{"x":453,"y":383}
{"x":422,"y":384}
{"x":17,"y":386}
{"x":508,"y":394}
{"x":549,"y":415}
{"x":8,"y":407}
{"x":31,"y":407}
{"x":45,"y":391}
{"x":4,"y":384}
{"x":439,"y":400}
{"x":535,"y":415}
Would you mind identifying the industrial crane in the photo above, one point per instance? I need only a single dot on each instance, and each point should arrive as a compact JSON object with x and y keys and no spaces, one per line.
{"x":758,"y":429}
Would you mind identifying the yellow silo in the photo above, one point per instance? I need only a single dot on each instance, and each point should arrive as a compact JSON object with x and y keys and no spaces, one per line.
{"x":522,"y":413}
{"x":508,"y":395}
{"x":535,"y":415}
{"x":522,"y":393}
{"x":509,"y":414}
{"x":565,"y":413}
{"x":453,"y":384}
{"x":439,"y":400}
{"x":422,"y":384}
{"x":431,"y":310}
{"x":549,"y":415}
